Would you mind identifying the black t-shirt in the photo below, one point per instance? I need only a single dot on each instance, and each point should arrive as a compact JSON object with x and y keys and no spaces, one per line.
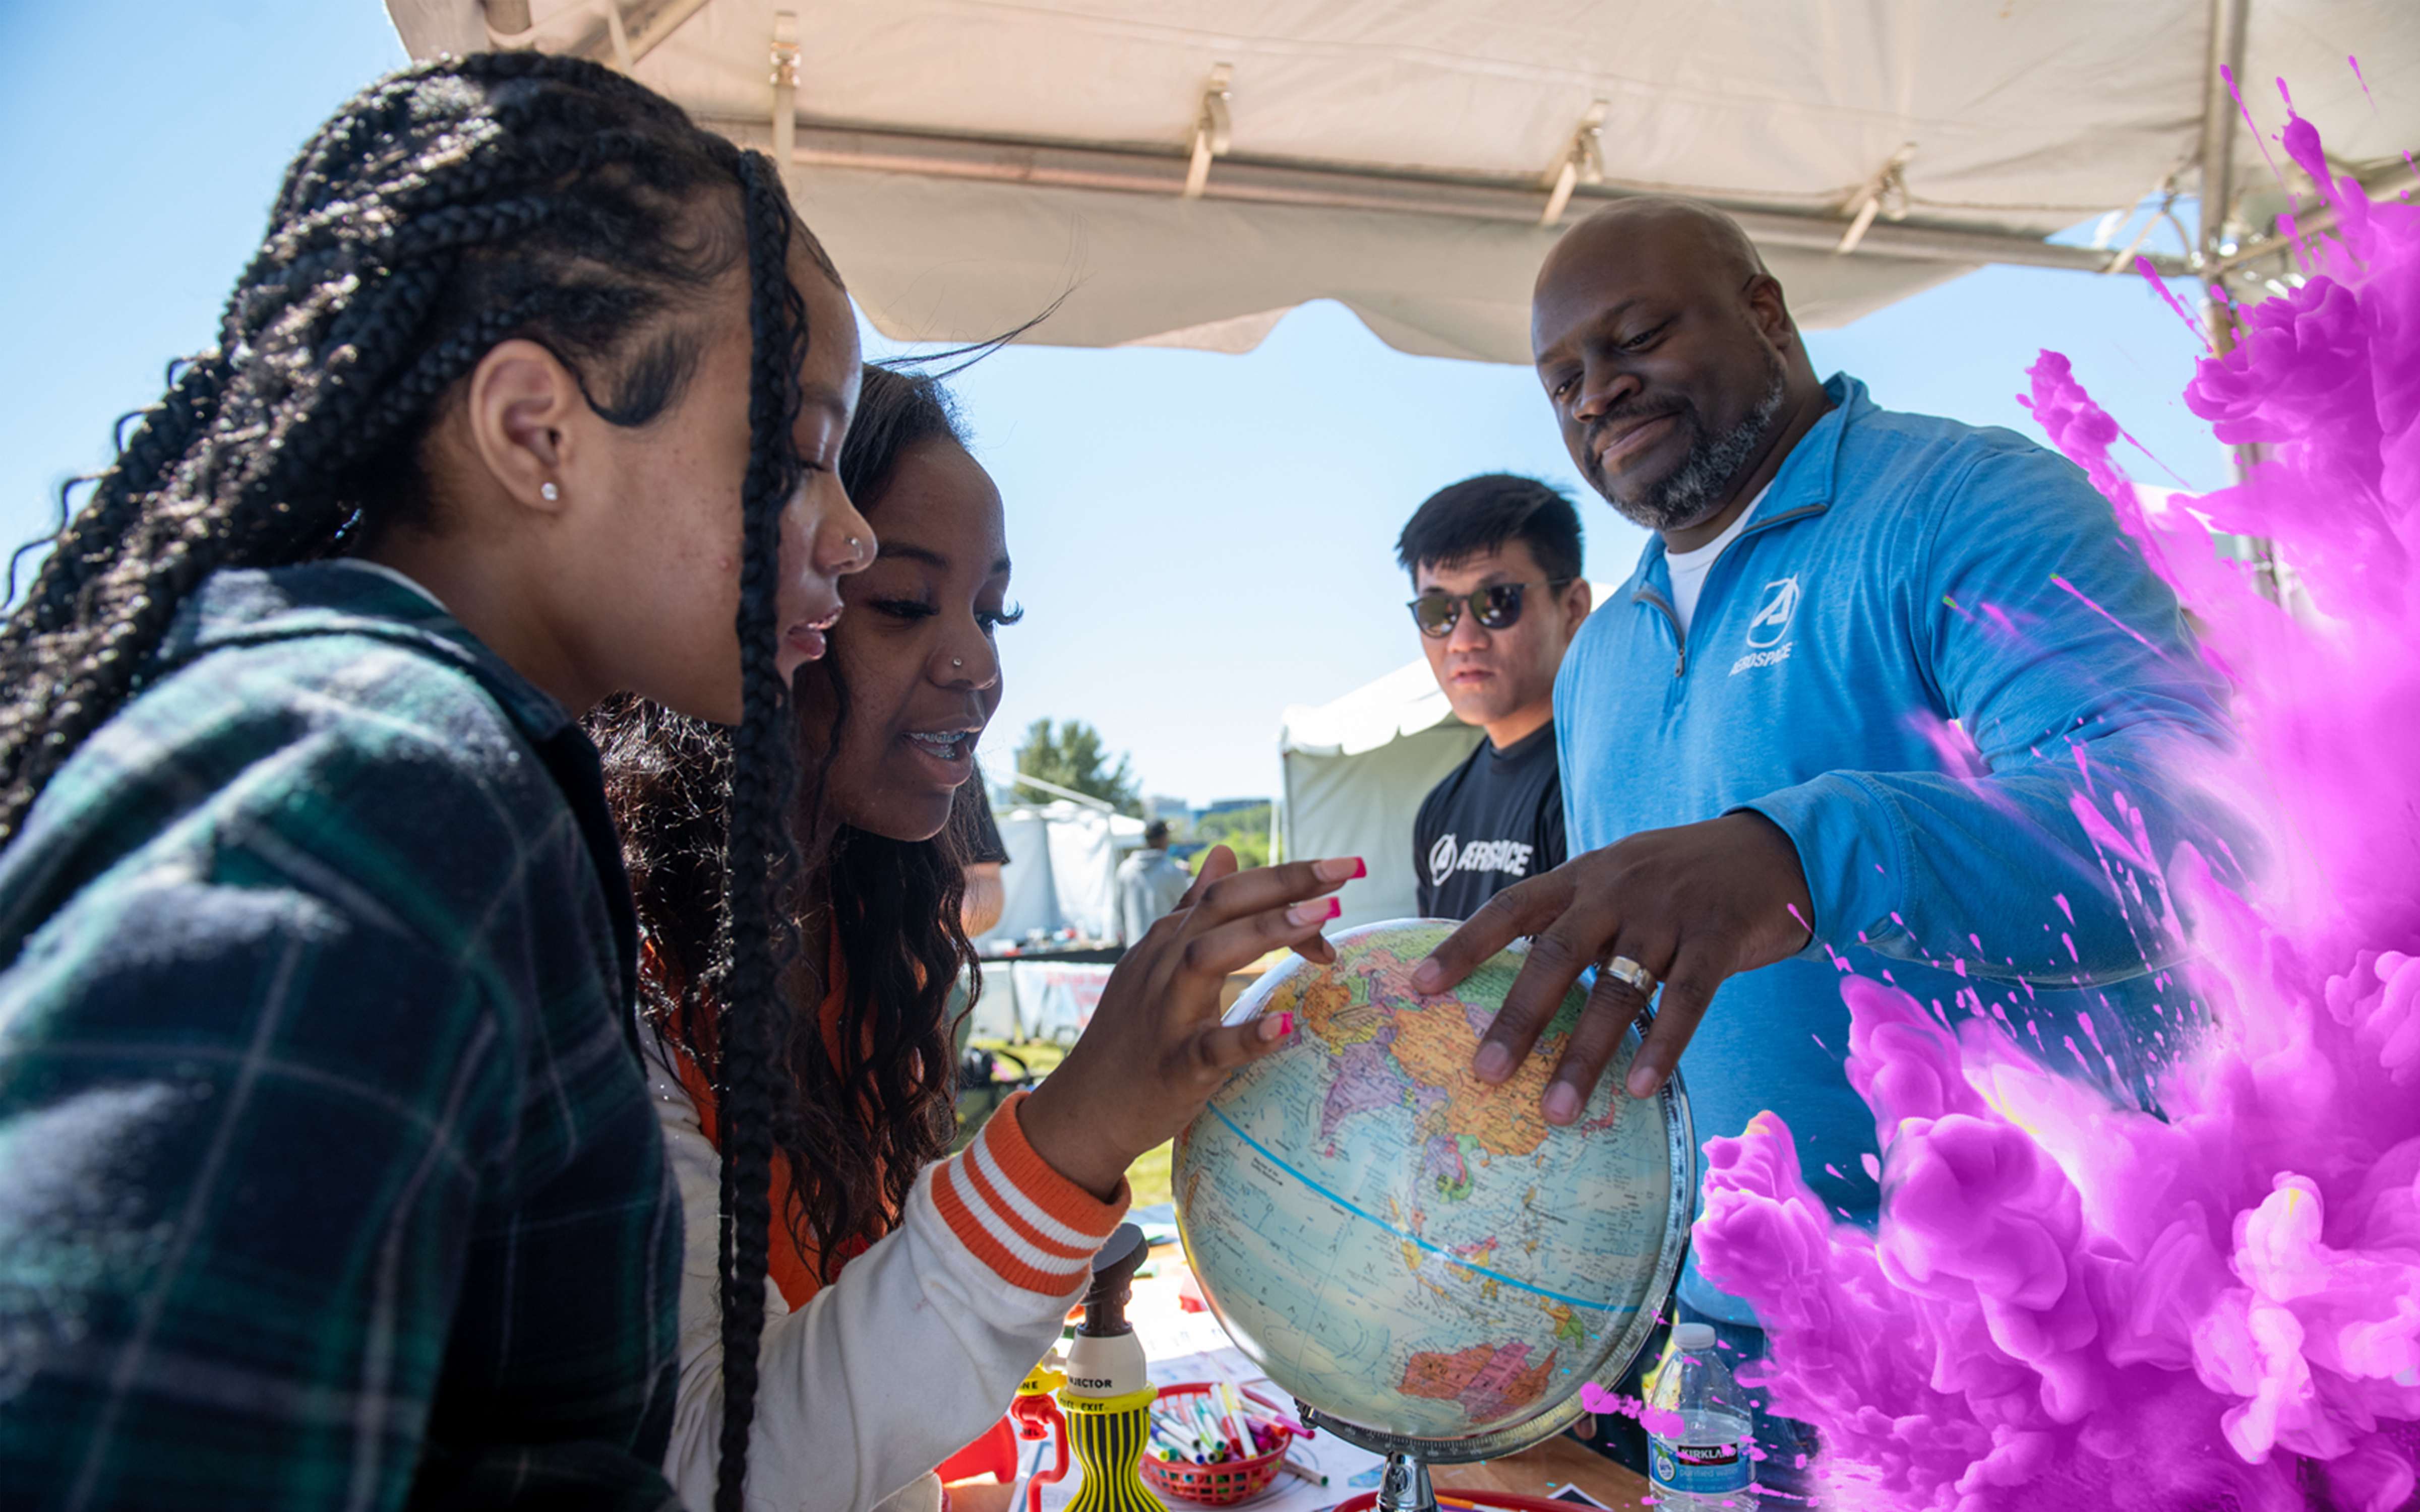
{"x":978,"y":832}
{"x":1496,"y":819}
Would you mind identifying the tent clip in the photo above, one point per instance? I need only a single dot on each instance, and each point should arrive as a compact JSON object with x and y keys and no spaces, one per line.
{"x":1212,"y":129}
{"x":1583,"y":163}
{"x":526,"y":35}
{"x":1885,"y":194}
{"x":509,"y":27}
{"x":785,"y":50}
{"x":784,"y":61}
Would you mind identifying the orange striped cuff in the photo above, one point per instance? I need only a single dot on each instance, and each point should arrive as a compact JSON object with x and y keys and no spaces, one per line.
{"x":1032,"y":1225}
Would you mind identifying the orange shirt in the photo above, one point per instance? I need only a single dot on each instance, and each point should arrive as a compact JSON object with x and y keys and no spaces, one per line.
{"x":793,"y":1265}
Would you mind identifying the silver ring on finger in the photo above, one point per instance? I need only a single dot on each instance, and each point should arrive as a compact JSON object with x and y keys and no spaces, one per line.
{"x":1632,"y":975}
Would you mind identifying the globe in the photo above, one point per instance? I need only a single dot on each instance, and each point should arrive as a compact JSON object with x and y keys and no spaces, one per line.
{"x":1410,"y":1251}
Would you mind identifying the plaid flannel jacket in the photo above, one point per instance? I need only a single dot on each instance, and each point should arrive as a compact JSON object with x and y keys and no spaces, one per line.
{"x":328,"y":1174}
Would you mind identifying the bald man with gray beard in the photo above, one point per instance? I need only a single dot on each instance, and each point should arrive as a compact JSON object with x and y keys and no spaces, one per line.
{"x":1846,"y":714}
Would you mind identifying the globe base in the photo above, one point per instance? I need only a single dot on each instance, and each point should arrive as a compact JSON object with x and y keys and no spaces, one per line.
{"x":1404,"y":1486}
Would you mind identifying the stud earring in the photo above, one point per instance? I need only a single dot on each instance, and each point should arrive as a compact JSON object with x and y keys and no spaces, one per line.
{"x":549,"y":492}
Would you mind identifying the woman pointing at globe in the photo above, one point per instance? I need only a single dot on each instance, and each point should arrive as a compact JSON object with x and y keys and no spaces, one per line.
{"x":907,"y":1293}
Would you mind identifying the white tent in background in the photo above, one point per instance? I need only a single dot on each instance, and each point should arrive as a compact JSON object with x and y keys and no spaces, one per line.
{"x":1063,"y":869}
{"x":1187,"y":171}
{"x":1062,"y":874}
{"x":1355,"y":773}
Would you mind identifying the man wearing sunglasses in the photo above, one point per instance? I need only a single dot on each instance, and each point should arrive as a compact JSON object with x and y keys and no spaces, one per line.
{"x":1496,"y":568}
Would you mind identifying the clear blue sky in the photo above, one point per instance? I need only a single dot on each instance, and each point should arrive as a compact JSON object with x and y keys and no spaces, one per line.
{"x":1201,"y":539}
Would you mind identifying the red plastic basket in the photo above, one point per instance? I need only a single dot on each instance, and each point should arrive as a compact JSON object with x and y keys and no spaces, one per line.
{"x":1222,"y":1484}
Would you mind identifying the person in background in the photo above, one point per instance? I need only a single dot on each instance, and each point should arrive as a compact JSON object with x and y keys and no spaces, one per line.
{"x":1149,"y":883}
{"x":979,"y":834}
{"x":1845,"y":716}
{"x":1496,"y":562}
{"x":980,"y":909}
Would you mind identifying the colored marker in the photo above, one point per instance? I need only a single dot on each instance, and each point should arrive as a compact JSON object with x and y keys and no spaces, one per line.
{"x":1301,"y":1472}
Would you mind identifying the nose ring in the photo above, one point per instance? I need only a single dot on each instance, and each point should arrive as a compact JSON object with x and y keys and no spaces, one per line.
{"x":853,"y":543}
{"x":956,"y":662}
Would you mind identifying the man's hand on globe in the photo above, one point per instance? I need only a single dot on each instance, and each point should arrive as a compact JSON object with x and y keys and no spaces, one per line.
{"x":1691,"y":905}
{"x":1155,"y":1051}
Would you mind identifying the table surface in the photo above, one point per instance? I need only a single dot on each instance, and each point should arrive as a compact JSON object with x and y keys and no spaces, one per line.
{"x":1533,"y":1472}
{"x":1539,"y":1468}
{"x":1185,"y":1345}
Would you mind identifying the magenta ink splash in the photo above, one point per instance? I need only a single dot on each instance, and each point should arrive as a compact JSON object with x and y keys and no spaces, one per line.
{"x":2067,"y":1304}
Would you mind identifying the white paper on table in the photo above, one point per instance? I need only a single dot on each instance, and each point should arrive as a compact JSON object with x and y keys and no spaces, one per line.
{"x":1170,"y":1334}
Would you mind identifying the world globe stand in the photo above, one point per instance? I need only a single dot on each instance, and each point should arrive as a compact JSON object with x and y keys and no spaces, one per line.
{"x":1404,"y":1485}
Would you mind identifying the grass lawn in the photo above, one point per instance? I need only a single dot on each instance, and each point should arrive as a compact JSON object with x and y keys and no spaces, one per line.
{"x":1148,"y":1176}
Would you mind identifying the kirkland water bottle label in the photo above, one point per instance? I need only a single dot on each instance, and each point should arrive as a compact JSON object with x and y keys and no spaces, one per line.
{"x":1698,"y":1469}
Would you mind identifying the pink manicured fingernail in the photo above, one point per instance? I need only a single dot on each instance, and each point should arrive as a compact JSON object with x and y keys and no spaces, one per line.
{"x":1495,"y":1063}
{"x":1562,"y":1102}
{"x":1314,"y":911}
{"x":1277,"y":1026}
{"x":1339,"y":869}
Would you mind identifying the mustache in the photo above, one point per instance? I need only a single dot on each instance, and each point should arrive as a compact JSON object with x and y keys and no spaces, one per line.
{"x":1628,"y":415}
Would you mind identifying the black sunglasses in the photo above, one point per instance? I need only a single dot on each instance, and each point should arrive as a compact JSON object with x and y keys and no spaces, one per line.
{"x":1496,"y":607}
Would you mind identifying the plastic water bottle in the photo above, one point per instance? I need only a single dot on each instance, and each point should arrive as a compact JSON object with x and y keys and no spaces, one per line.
{"x":1701,"y":1463}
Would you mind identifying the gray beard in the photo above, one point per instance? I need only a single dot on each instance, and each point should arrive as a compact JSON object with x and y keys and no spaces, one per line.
{"x":1688,"y":494}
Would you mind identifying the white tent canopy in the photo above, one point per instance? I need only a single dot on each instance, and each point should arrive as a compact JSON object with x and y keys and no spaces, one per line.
{"x":1063,"y":869}
{"x":1185,"y":171}
{"x":1354,"y":772}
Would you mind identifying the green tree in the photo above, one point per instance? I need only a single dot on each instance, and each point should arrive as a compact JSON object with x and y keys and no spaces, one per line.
{"x":1070,"y":755}
{"x":1245,"y":832}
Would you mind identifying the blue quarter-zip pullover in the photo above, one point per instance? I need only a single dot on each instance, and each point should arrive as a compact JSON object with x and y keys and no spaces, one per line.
{"x":1901,"y":573}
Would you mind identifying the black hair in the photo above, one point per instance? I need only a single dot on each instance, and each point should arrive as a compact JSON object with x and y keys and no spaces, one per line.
{"x":760,"y":849}
{"x":1155,"y":833}
{"x":897,"y":409}
{"x":443,"y":210}
{"x":858,"y":1113}
{"x":1478,"y":514}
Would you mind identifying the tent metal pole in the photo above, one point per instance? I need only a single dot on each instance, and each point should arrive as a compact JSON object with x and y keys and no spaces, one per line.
{"x":610,"y":40}
{"x":1124,"y":170}
{"x":2309,"y":223}
{"x":2227,"y":20}
{"x":1044,"y":785}
{"x":2218,"y":109}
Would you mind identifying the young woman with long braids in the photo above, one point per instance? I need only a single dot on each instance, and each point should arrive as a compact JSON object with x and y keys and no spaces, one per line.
{"x":330,"y":1175}
{"x":959,"y":1273}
